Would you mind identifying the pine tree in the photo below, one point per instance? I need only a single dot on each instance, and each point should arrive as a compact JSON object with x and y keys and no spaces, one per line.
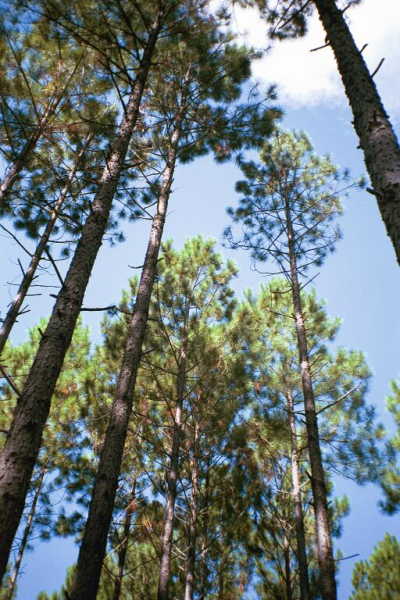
{"x":214,"y":373}
{"x":378,"y":576}
{"x":390,"y":473}
{"x":290,"y":200}
{"x":340,"y":382}
{"x":377,"y":138}
{"x":60,"y":435}
{"x":24,"y":438}
{"x":191,"y":126}
{"x":38,"y":82}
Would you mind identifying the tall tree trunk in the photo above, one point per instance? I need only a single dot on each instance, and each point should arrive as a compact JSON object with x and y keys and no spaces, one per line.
{"x":288,"y":571}
{"x":123,"y":548}
{"x":172,"y":481}
{"x":93,"y":546}
{"x":15,"y":306}
{"x":20,"y":452}
{"x":25,"y":536}
{"x":326,"y":561}
{"x":298,"y":503}
{"x":377,"y":138}
{"x":192,"y":529}
{"x":204,"y":535}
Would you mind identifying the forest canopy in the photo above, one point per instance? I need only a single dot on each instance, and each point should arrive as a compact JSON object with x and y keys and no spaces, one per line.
{"x":196,"y":448}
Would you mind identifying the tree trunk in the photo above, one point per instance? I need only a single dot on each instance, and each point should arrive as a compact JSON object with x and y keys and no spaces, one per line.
{"x":320,"y":499}
{"x":377,"y":138}
{"x":172,"y":481}
{"x":288,"y":572}
{"x":15,"y":306}
{"x":204,"y":535}
{"x":192,"y":529}
{"x":25,"y":536}
{"x":93,"y":546}
{"x":298,"y":503}
{"x":20,"y":452}
{"x":123,"y":548}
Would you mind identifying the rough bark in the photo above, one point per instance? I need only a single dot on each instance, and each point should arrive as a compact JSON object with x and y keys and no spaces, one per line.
{"x":377,"y":138}
{"x":190,"y":566}
{"x":93,"y":546}
{"x":320,"y":498}
{"x":15,"y":306}
{"x":172,"y":481}
{"x":298,"y":504}
{"x":123,"y":547}
{"x":25,"y":537}
{"x":20,"y":452}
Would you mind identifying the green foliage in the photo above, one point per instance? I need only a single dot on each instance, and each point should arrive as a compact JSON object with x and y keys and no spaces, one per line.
{"x":390,"y":474}
{"x":290,"y":182}
{"x":63,"y":428}
{"x":340,"y":380}
{"x":287,"y":19}
{"x":378,"y":577}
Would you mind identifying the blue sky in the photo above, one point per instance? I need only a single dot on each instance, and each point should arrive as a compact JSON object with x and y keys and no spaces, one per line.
{"x":360,"y":282}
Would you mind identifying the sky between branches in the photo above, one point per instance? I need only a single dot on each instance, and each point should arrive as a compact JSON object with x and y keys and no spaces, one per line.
{"x":361,"y":282}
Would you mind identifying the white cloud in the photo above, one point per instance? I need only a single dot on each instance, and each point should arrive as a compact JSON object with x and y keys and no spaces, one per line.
{"x":307,"y":78}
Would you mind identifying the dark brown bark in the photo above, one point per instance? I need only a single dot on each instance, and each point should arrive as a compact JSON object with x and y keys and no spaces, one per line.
{"x":298,"y":504}
{"x":190,"y":566}
{"x":93,"y":546}
{"x":377,"y":138}
{"x":123,"y":547}
{"x":15,"y":306}
{"x":25,"y":536}
{"x":20,"y":452}
{"x":320,"y":498}
{"x":172,"y":481}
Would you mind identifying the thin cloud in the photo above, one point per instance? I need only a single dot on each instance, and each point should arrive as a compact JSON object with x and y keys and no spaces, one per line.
{"x":307,"y":78}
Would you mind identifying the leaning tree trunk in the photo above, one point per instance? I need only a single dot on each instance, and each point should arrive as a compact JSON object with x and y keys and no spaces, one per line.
{"x":20,"y":452}
{"x":29,"y":275}
{"x":190,"y":565}
{"x":93,"y":546}
{"x":377,"y":138}
{"x":298,"y":503}
{"x":172,"y":482}
{"x":25,"y":536}
{"x":326,"y":561}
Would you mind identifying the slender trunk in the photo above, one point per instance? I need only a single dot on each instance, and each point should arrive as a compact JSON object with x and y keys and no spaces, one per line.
{"x":123,"y":548}
{"x":93,"y":546}
{"x":24,"y":438}
{"x":15,"y":306}
{"x":193,"y":511}
{"x":204,"y":536}
{"x":298,"y":503}
{"x":288,"y":572}
{"x":377,"y":138}
{"x":25,"y":536}
{"x":320,"y":498}
{"x":172,"y":481}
